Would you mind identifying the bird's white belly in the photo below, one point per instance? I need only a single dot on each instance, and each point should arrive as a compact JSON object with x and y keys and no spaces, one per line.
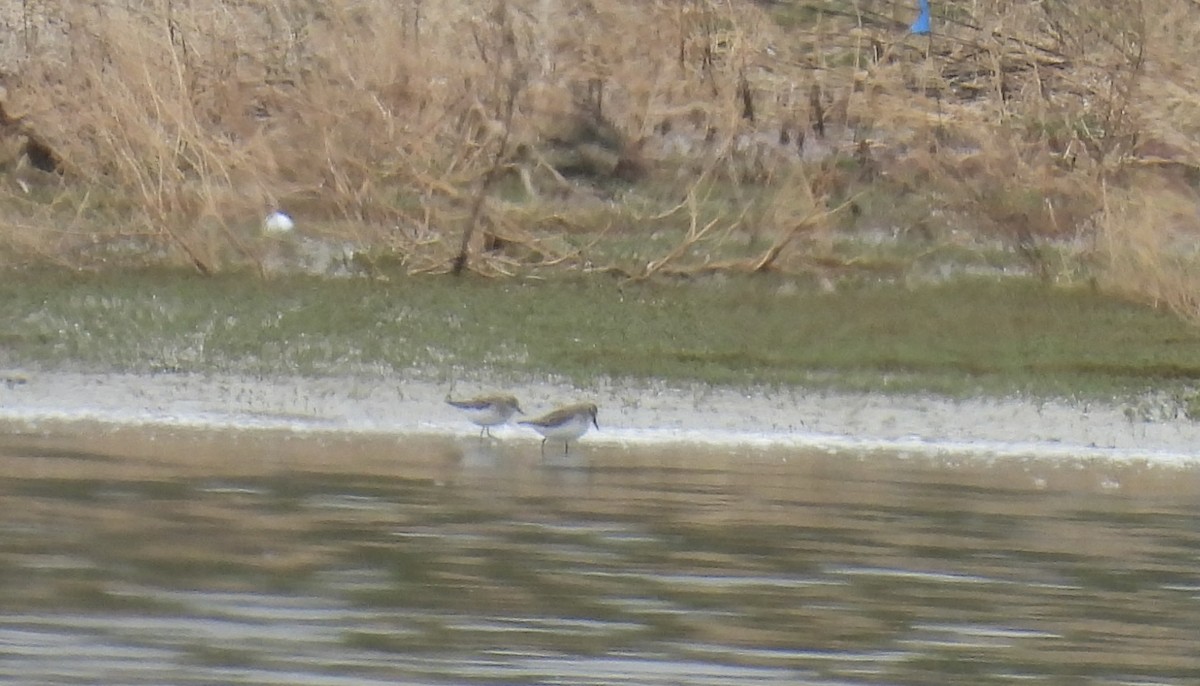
{"x":569,"y":430}
{"x":486,"y":416}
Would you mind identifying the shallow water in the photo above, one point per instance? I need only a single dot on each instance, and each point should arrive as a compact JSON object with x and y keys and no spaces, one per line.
{"x":160,"y":557}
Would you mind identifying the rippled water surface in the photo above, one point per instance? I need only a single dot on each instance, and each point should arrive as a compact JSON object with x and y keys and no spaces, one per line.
{"x":159,"y":558}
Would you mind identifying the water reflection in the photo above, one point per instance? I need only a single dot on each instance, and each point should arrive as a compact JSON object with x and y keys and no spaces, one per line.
{"x":283,"y":559}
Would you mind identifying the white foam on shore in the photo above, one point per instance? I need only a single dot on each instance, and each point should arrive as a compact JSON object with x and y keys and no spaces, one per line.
{"x":630,"y":416}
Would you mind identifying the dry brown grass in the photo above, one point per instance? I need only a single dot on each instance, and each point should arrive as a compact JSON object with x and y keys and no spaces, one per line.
{"x":177,"y":124}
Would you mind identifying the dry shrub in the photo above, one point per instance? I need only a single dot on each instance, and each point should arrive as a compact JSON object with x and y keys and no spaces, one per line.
{"x":194,"y":119}
{"x":180,"y":123}
{"x":1018,"y":192}
{"x":1147,"y":248}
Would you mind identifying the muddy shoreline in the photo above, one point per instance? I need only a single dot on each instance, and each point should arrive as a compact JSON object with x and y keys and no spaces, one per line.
{"x":630,"y":413}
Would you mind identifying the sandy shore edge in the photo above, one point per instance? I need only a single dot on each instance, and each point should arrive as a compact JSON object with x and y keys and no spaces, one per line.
{"x":630,"y":413}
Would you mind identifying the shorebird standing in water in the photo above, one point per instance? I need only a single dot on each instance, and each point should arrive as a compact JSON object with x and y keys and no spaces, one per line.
{"x":564,"y":424}
{"x":488,"y":410}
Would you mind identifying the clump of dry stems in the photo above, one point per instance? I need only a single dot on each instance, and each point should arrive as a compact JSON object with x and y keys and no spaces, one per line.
{"x":496,"y":135}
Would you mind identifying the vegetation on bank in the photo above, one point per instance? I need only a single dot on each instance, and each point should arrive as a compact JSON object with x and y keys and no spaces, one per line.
{"x":837,"y":195}
{"x":639,"y":138}
{"x":963,"y":337}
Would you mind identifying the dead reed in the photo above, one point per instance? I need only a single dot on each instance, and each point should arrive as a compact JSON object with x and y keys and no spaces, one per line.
{"x":500,"y":135}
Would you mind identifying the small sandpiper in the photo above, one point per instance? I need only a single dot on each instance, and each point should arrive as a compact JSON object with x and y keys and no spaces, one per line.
{"x":564,"y":424}
{"x":488,"y":410}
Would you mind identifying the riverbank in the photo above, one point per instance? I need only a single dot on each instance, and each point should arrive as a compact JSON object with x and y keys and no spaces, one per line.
{"x":973,"y":365}
{"x":961,"y":337}
{"x":630,"y":414}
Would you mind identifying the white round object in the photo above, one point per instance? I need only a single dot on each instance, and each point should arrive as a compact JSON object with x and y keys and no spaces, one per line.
{"x":278,"y":222}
